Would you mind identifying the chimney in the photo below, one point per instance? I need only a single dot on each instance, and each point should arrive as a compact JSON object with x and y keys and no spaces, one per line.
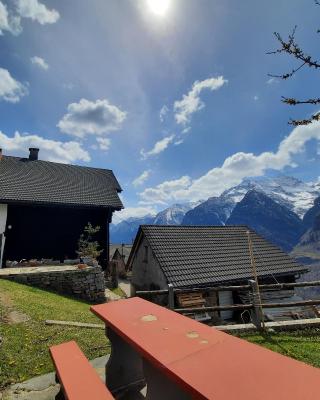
{"x":33,"y":156}
{"x":0,"y":154}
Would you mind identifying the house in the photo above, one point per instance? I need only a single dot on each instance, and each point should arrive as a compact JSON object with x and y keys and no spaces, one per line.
{"x":204,"y":256}
{"x":119,"y":253}
{"x":44,"y":207}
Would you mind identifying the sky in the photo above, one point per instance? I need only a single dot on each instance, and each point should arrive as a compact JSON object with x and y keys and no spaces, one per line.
{"x":173,"y":95}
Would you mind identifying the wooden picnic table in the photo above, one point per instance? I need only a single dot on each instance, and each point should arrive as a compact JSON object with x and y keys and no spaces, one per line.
{"x":180,"y":358}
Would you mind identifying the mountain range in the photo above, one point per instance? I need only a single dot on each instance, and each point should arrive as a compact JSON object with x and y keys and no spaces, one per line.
{"x":282,"y":209}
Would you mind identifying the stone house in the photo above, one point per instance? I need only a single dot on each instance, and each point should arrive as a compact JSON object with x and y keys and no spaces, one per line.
{"x":205,"y":256}
{"x":119,"y":253}
{"x":44,"y":207}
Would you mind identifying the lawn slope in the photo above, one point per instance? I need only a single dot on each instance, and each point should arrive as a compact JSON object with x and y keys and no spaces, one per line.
{"x":24,"y":348}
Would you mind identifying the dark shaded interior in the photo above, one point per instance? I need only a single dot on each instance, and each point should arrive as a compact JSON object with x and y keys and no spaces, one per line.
{"x":51,"y":232}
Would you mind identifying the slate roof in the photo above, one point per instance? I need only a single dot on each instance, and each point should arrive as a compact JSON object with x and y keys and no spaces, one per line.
{"x":44,"y":182}
{"x":202,"y":255}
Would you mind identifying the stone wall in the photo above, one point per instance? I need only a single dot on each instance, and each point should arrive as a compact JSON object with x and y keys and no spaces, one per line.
{"x":87,"y":284}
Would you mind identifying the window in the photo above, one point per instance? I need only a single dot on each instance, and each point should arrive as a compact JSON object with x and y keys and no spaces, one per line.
{"x":146,"y":250}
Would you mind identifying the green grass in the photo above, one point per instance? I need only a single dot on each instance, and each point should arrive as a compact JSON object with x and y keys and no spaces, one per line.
{"x":24,"y":349}
{"x":302,"y":345}
{"x":118,"y":291}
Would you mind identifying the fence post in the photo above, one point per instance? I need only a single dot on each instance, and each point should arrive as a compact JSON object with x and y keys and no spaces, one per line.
{"x":171,"y":296}
{"x":256,"y":315}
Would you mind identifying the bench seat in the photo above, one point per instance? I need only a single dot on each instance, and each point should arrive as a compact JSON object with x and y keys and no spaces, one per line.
{"x":78,"y":379}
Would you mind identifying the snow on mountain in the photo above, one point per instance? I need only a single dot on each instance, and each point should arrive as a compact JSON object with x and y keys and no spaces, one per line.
{"x":173,"y":215}
{"x":270,"y":219}
{"x":290,"y":192}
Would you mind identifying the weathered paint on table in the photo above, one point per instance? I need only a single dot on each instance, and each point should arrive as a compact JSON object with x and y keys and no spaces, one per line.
{"x":205,"y":362}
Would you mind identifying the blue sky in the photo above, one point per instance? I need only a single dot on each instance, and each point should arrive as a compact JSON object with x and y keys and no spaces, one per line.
{"x":179,"y":105}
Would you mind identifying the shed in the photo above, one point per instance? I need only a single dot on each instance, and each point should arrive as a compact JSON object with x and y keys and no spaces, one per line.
{"x":204,"y":256}
{"x":44,"y":207}
{"x":119,"y":253}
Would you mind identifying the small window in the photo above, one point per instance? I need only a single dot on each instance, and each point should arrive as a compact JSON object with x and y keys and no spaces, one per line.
{"x":146,"y":250}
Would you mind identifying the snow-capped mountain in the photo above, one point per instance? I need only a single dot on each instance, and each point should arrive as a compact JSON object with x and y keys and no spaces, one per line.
{"x":272,"y":220}
{"x":296,"y":196}
{"x":172,"y":215}
{"x":290,"y":192}
{"x":214,"y":211}
{"x":125,"y":231}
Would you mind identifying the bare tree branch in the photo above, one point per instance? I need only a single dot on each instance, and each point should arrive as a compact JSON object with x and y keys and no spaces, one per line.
{"x":291,"y":47}
{"x":297,"y":122}
{"x":294,"y":102}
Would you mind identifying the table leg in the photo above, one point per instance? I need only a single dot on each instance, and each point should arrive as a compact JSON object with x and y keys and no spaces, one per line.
{"x":124,"y":369}
{"x":160,"y":387}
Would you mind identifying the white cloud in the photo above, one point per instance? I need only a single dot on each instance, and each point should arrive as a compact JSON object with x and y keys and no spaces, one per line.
{"x":255,"y":98}
{"x":165,"y":192}
{"x":272,"y":80}
{"x":141,"y":178}
{"x":39,"y":62}
{"x":37,"y":11}
{"x":233,"y":170}
{"x":51,"y":150}
{"x":163,"y":112}
{"x":158,"y":148}
{"x":104,"y":143}
{"x":132,"y":212}
{"x":8,"y":22}
{"x":11,"y":90}
{"x":91,"y":118}
{"x":186,"y":130}
{"x":191,"y":102}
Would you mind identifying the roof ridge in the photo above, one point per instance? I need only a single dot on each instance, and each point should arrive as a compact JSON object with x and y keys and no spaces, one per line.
{"x":57,"y":163}
{"x":196,"y":226}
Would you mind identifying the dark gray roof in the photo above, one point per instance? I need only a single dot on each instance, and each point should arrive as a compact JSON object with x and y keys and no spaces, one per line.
{"x":22,"y":180}
{"x":202,"y":255}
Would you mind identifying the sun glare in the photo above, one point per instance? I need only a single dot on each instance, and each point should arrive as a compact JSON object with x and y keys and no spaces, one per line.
{"x":158,"y":7}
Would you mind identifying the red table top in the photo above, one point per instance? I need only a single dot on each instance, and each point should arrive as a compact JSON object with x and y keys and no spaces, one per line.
{"x":206,"y":362}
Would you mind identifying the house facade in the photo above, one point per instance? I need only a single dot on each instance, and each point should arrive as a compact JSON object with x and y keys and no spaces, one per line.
{"x":44,"y":207}
{"x":119,"y":254}
{"x":206,"y":256}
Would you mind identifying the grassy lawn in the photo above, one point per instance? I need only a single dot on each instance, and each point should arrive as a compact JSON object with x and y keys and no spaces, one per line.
{"x":118,"y":291}
{"x":24,"y":349}
{"x":301,"y":345}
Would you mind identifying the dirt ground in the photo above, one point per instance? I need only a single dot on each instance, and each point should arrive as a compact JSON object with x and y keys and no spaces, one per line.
{"x":8,"y":314}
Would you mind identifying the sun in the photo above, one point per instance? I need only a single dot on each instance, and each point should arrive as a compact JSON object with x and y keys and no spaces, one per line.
{"x":158,"y":7}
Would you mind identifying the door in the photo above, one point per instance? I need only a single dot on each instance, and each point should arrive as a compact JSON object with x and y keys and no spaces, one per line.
{"x":3,"y":220}
{"x":226,"y":299}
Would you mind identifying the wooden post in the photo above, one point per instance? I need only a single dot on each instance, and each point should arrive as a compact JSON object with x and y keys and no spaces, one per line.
{"x":256,"y":314}
{"x":171,"y":296}
{"x":256,"y":290}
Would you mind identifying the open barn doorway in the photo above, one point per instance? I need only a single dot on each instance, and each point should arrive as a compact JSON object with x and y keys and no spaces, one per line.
{"x":42,"y":232}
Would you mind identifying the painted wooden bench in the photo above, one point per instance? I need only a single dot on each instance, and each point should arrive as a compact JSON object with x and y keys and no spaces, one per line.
{"x":180,"y":358}
{"x":78,"y":379}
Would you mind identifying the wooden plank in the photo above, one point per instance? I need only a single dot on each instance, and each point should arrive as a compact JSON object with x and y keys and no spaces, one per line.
{"x":73,"y":323}
{"x":197,"y":357}
{"x":230,"y":287}
{"x":76,"y":375}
